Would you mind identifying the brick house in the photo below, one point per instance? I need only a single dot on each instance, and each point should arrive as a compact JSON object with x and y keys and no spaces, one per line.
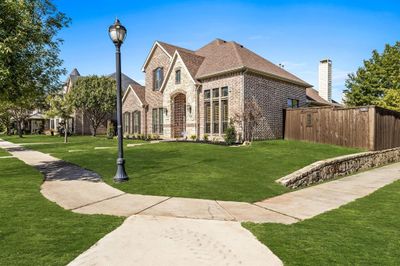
{"x":79,"y":123}
{"x":197,"y":92}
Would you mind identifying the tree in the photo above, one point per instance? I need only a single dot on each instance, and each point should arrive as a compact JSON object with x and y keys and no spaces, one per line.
{"x":96,"y":97}
{"x":249,"y":119}
{"x":5,"y":116}
{"x":29,"y":49}
{"x":377,"y":81}
{"x":60,"y":106}
{"x":20,"y":109}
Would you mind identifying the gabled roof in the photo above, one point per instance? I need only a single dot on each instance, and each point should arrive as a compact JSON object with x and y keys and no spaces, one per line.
{"x":219,"y":57}
{"x":222,"y":56}
{"x":125,"y":81}
{"x":170,"y":49}
{"x":139,"y":90}
{"x":191,"y":63}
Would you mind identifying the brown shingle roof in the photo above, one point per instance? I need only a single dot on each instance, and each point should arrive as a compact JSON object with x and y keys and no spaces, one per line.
{"x":314,"y":97}
{"x":140,"y":92}
{"x":221,"y":56}
{"x":192,"y":62}
{"x":172,"y":48}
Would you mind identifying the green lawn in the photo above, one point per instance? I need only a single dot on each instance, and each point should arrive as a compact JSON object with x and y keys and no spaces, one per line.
{"x":35,"y":231}
{"x":194,"y":170}
{"x":364,"y":232}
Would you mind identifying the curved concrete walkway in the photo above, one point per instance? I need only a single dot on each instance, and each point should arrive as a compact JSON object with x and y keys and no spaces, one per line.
{"x":207,"y":233}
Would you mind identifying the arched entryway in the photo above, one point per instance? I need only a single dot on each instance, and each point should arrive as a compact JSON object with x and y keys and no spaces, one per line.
{"x":179,"y":115}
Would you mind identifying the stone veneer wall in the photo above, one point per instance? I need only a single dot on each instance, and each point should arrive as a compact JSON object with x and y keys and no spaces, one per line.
{"x":186,"y":87}
{"x":271,"y":95}
{"x":234,"y":82}
{"x":339,"y":166}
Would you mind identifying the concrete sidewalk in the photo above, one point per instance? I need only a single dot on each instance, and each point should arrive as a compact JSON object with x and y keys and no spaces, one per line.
{"x":165,"y":229}
{"x":82,"y":191}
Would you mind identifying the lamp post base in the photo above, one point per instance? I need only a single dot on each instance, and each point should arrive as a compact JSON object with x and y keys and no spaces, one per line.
{"x":121,"y":175}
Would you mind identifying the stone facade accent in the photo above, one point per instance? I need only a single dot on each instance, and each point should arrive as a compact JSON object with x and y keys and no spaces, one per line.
{"x":339,"y":166}
{"x":171,"y":90}
{"x":271,"y":95}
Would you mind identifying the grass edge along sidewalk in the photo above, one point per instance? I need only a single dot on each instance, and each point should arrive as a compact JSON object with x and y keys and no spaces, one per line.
{"x":35,"y":230}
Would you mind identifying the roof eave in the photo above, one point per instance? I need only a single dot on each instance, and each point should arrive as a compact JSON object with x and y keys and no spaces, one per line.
{"x":242,"y":68}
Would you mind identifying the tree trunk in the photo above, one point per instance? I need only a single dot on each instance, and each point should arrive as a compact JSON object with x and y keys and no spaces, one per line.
{"x":94,"y":131}
{"x":19,"y":128}
{"x":66,"y":131}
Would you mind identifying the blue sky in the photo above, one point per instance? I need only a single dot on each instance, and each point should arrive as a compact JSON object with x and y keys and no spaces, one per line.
{"x":295,"y":33}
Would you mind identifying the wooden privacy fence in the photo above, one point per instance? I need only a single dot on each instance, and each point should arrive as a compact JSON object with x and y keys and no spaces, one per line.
{"x":369,"y":127}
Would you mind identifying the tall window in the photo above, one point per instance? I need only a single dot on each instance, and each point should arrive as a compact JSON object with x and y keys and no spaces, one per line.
{"x":207,"y":116}
{"x":155,"y":120}
{"x":158,"y":120}
{"x":216,"y":117}
{"x":136,"y":122}
{"x":216,"y":110}
{"x":292,"y":103}
{"x":158,"y":77}
{"x":178,"y":76}
{"x":127,"y":122}
{"x":224,"y":113}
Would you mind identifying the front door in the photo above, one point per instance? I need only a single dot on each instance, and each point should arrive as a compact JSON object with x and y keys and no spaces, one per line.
{"x":179,"y":117}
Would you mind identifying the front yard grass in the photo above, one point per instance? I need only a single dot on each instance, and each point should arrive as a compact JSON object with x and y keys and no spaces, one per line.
{"x":364,"y":232}
{"x":35,"y":231}
{"x":194,"y":170}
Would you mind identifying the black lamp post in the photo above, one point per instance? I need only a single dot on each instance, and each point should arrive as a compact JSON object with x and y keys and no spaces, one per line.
{"x":117,"y":34}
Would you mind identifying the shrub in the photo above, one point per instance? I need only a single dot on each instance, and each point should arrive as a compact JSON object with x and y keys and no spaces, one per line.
{"x":205,"y":137}
{"x":193,"y":137}
{"x":230,"y":135}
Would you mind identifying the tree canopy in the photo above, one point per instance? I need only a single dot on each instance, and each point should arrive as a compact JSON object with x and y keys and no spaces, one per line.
{"x":377,"y":82}
{"x":29,"y":48}
{"x":95,"y":96}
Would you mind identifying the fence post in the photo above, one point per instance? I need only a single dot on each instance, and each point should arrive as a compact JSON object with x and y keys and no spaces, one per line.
{"x":372,"y":128}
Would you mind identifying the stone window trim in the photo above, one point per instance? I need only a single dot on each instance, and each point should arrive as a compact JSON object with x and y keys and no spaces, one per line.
{"x":158,"y":78}
{"x":178,"y":76}
{"x":217,"y":97}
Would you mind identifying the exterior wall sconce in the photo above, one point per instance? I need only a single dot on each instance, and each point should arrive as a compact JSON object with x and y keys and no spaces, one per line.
{"x":166,"y":111}
{"x":189,"y":108}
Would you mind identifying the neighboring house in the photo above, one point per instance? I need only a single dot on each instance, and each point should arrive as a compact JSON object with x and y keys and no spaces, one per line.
{"x":198,"y":92}
{"x":79,"y":124}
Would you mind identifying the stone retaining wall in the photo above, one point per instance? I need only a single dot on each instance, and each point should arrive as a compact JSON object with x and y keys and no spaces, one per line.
{"x":339,"y":166}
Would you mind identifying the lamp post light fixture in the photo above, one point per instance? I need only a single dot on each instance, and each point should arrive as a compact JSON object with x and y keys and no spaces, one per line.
{"x":117,"y":34}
